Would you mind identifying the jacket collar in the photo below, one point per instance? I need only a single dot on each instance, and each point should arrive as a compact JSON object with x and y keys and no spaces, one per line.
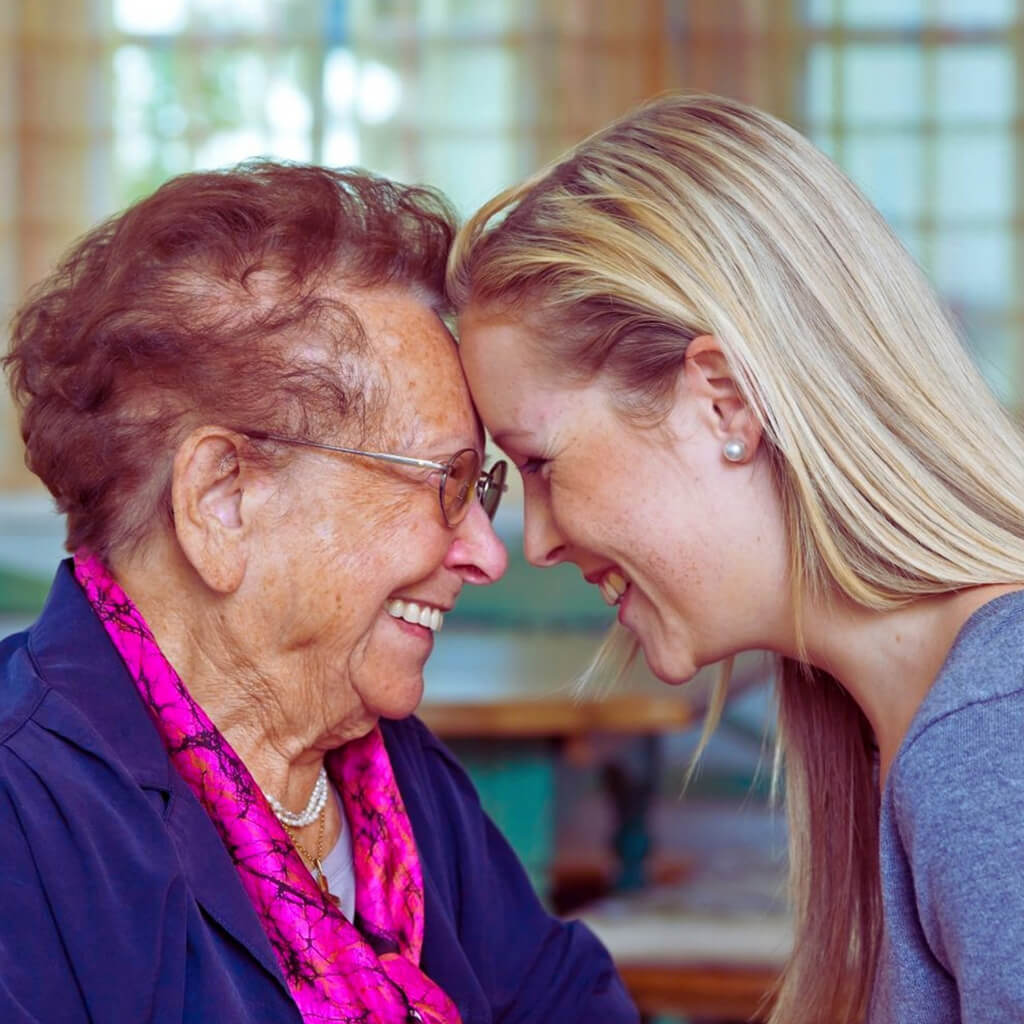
{"x":75,"y":657}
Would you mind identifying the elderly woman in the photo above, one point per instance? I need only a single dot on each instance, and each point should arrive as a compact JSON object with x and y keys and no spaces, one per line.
{"x":213,"y":803}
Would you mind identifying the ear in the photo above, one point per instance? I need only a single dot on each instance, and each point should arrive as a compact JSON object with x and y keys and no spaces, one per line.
{"x":208,"y":494}
{"x":707,"y":376}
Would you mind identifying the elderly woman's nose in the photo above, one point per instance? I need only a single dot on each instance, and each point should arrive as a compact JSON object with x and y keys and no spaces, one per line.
{"x":476,"y":551}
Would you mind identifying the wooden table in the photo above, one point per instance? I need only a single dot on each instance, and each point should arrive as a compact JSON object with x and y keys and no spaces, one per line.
{"x":509,"y":705}
{"x":503,"y":684}
{"x":718,"y":967}
{"x":512,"y":717}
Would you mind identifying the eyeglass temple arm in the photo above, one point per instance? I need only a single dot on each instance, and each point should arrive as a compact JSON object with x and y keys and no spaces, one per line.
{"x":402,"y":460}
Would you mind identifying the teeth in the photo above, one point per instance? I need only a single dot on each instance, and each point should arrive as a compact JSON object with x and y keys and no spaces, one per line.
{"x":418,"y":614}
{"x":613,"y":586}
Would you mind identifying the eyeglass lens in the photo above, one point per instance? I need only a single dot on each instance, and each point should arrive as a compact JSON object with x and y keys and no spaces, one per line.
{"x":462,"y":474}
{"x":463,"y":477}
{"x":493,"y":488}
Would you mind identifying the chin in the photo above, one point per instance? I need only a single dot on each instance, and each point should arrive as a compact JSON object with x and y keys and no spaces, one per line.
{"x":673,"y":673}
{"x":400,"y":700}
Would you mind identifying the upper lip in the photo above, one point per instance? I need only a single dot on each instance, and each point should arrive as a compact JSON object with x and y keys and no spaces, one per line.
{"x":599,"y":574}
{"x":421,"y":600}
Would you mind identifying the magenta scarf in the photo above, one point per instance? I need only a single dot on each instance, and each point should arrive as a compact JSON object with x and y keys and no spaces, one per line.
{"x":332,"y":970}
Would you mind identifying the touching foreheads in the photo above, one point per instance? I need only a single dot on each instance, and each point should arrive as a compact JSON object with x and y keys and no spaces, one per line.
{"x":218,"y":299}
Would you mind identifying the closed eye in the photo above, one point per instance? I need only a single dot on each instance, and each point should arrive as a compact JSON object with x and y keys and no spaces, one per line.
{"x":531,"y":466}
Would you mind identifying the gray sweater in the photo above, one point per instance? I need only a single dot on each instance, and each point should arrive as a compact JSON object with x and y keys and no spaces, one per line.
{"x":952,"y":838}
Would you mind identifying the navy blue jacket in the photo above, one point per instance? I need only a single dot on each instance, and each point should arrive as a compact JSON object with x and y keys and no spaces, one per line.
{"x":119,"y":902}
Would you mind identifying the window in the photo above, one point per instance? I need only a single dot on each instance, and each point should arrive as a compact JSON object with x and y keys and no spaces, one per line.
{"x":418,"y":91}
{"x":920,"y":101}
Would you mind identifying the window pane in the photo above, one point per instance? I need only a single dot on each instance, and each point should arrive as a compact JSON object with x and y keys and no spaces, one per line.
{"x":883,"y":84}
{"x":889,"y":168}
{"x":378,"y":92}
{"x":150,"y":121}
{"x":818,"y":12}
{"x":975,"y":175}
{"x":219,"y":149}
{"x":469,"y":88}
{"x":974,"y":267}
{"x":977,"y":12}
{"x":143,"y":17}
{"x":341,"y":83}
{"x":216,"y":16}
{"x":992,"y":346}
{"x":176,"y":108}
{"x":340,"y":146}
{"x":819,"y":84}
{"x":975,"y":82}
{"x":470,"y":171}
{"x":914,"y":244}
{"x":866,"y":13}
{"x":462,"y":14}
{"x":825,"y":141}
{"x":231,"y":86}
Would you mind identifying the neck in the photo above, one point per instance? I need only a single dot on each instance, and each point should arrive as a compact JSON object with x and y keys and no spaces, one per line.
{"x":888,"y":660}
{"x":261,"y":699}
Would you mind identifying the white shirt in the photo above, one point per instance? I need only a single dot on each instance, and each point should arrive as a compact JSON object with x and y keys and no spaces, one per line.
{"x":339,"y":867}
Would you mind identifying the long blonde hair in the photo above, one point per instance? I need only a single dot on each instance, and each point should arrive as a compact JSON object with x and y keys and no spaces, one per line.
{"x":900,"y":474}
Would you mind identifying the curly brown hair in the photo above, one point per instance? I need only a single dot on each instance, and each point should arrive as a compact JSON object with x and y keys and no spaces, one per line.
{"x":199,"y":304}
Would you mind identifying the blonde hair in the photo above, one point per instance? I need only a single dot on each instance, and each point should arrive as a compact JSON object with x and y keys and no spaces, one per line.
{"x":899,"y":473}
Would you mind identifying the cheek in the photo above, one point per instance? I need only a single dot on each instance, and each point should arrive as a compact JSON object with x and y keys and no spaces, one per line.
{"x":598,"y":507}
{"x":402,"y":540}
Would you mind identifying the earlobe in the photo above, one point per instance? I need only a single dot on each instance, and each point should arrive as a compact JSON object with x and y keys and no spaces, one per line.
{"x":207,"y":495}
{"x":709,"y":376}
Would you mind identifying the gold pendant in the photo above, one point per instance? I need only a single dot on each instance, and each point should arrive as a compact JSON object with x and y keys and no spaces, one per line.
{"x":321,"y":880}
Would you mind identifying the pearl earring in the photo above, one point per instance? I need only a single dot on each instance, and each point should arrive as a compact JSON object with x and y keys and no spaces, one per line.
{"x":735,"y":450}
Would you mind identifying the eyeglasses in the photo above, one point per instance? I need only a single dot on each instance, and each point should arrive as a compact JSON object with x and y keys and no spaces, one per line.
{"x":458,"y":475}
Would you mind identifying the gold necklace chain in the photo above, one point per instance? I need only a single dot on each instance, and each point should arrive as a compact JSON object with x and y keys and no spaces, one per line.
{"x":314,"y":859}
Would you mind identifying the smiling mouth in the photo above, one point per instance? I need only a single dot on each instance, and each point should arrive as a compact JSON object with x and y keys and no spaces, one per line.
{"x":416,"y":613}
{"x":613,"y":586}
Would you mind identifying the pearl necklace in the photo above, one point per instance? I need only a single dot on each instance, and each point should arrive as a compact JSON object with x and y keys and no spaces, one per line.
{"x":309,"y":814}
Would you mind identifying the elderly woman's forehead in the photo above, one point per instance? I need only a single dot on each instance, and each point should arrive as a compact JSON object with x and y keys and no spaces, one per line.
{"x":418,"y":365}
{"x":429,"y":403}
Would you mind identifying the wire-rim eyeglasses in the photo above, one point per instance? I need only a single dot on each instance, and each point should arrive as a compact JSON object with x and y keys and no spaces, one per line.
{"x":461,"y":475}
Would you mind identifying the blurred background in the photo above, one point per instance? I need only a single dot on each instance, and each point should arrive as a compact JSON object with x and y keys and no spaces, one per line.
{"x":922,"y":103}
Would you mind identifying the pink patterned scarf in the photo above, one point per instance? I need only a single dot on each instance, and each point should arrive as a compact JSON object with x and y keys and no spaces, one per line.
{"x":334,"y":971}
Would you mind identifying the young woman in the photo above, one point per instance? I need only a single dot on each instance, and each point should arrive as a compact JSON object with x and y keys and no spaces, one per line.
{"x":738,"y":407}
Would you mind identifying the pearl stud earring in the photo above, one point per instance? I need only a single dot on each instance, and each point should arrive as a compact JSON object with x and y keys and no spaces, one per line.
{"x":734,"y":450}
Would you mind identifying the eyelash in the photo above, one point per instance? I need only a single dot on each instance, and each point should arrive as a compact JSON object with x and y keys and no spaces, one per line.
{"x":531,"y":466}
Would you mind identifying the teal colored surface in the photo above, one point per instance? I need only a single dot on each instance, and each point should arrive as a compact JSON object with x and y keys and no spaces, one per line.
{"x":526,"y":596}
{"x":516,"y":783}
{"x":21,"y":593}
